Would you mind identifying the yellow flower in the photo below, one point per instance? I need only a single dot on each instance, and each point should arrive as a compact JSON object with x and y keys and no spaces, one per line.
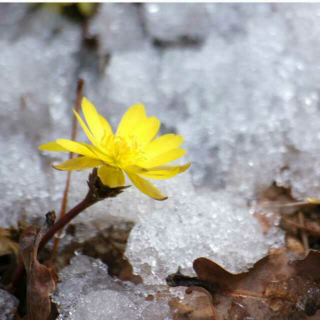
{"x":134,"y":149}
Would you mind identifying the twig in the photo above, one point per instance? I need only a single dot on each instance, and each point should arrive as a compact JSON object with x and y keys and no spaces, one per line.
{"x":287,"y":205}
{"x":246,"y":294}
{"x":301,"y":227}
{"x":177,"y":280}
{"x":66,"y":190}
{"x":303,"y":233}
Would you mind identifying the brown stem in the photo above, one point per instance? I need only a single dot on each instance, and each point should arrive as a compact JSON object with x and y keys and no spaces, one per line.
{"x":84,"y":204}
{"x":303,"y":233}
{"x":66,"y":190}
{"x":286,"y":205}
{"x":97,"y":192}
{"x":63,"y":221}
{"x":299,"y":226}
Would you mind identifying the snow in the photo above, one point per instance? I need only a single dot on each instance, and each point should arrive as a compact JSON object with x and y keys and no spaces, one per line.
{"x":240,"y":82}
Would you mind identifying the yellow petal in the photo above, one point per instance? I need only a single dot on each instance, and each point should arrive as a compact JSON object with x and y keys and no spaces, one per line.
{"x":165,"y":172}
{"x":164,"y":158}
{"x":147,"y":130}
{"x":79,"y":163}
{"x":160,"y":174}
{"x":89,"y":134}
{"x":76,"y":147}
{"x":111,"y":176}
{"x":106,"y":126}
{"x":93,"y":119}
{"x":162,"y":145}
{"x":135,"y":169}
{"x":184,"y":167}
{"x":98,"y":153}
{"x":145,"y":186}
{"x":87,"y":131}
{"x":313,"y":200}
{"x":52,"y":146}
{"x":140,"y":170}
{"x":134,"y":116}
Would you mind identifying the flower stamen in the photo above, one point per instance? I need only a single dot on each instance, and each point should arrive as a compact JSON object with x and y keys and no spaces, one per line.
{"x":124,"y":151}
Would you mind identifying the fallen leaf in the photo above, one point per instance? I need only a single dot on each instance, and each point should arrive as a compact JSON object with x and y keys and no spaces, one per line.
{"x":275,"y":288}
{"x":309,"y":265}
{"x":41,"y":280}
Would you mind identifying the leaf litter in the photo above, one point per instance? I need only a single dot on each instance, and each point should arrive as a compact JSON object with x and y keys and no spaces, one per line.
{"x":277,"y":287}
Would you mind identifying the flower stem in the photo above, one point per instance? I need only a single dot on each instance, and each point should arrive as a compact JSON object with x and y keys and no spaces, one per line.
{"x":63,"y":221}
{"x":84,"y":204}
{"x":97,"y":192}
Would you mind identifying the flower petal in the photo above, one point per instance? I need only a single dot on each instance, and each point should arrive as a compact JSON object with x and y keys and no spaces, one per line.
{"x":147,"y":130}
{"x":79,"y":163}
{"x":111,"y":176}
{"x":76,"y":147}
{"x":93,"y":119}
{"x":106,"y":126}
{"x":52,"y":146}
{"x":102,"y":156}
{"x":89,"y":134}
{"x":145,"y":186}
{"x":163,"y":144}
{"x":184,"y":167}
{"x":164,"y":158}
{"x":165,"y":172}
{"x":131,"y":120}
{"x":87,"y":131}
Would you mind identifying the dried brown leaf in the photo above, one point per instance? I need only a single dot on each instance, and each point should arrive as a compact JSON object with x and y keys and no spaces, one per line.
{"x":274,"y":288}
{"x":41,"y":281}
{"x":273,"y":267}
{"x":309,"y":265}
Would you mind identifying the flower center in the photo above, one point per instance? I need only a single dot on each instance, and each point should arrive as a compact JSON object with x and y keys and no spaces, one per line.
{"x":125,"y":151}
